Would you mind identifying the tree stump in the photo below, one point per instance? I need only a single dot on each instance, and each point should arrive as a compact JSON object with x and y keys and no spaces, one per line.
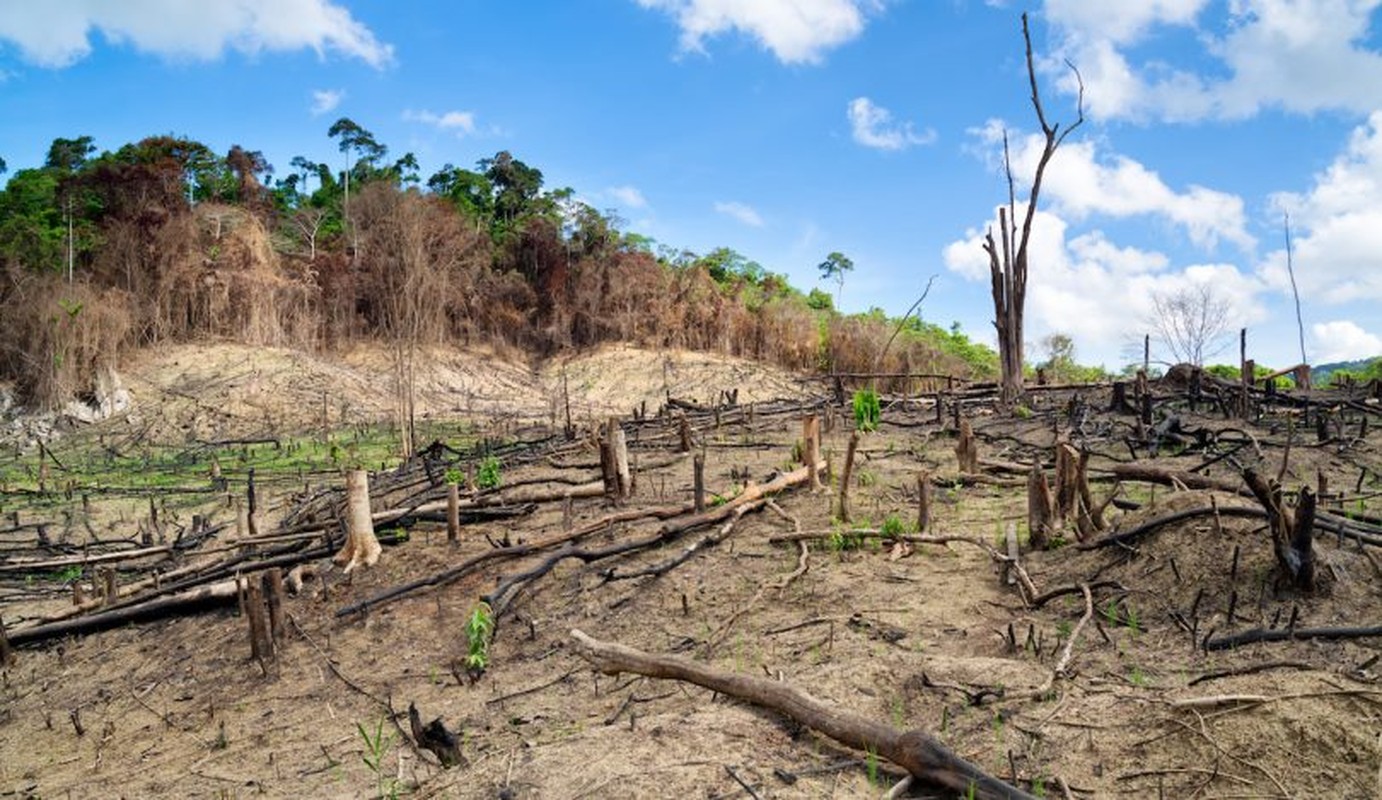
{"x":6,"y":653}
{"x":1039,"y":512}
{"x":453,"y":512}
{"x":966,"y":450}
{"x":811,"y":447}
{"x":698,"y":469}
{"x":843,"y":508}
{"x":923,"y":501}
{"x":1292,"y":532}
{"x":361,"y":547}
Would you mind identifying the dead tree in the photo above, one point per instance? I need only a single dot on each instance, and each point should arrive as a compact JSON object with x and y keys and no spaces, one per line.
{"x":1008,"y":258}
{"x":1292,"y":531}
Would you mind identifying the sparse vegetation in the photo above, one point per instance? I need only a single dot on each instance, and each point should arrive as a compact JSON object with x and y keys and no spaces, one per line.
{"x":487,"y":476}
{"x":378,"y":744}
{"x":479,"y":629}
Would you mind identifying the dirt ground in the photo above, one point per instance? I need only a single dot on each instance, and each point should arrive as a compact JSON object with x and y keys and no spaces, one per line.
{"x":928,"y":637}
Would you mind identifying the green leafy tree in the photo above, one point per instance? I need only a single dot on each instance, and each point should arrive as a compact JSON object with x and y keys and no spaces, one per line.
{"x":820,"y":301}
{"x":405,"y":169}
{"x":470,"y":192}
{"x":835,"y":267}
{"x":516,"y":186}
{"x":67,"y":157}
{"x":361,"y":149}
{"x":31,"y":225}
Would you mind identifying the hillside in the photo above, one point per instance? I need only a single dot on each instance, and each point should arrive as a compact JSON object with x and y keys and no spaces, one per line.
{"x":1115,"y":673}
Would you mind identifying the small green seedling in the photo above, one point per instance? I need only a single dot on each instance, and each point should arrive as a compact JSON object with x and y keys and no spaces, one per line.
{"x":478,"y":630}
{"x":487,"y":476}
{"x":867,"y":410}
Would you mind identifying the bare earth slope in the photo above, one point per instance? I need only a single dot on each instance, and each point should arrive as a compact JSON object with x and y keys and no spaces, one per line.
{"x":926,"y":637}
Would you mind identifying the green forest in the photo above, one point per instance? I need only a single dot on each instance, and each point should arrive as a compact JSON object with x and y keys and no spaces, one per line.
{"x":164,"y":240}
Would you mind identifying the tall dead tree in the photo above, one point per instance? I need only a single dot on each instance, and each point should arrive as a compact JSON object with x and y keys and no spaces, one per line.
{"x":1008,"y":258}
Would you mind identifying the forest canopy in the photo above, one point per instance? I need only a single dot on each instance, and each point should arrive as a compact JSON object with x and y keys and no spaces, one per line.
{"x":165,"y":240}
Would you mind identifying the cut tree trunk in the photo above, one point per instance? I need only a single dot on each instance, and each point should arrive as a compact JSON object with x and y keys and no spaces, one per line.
{"x":966,"y":450}
{"x":361,"y":547}
{"x":845,"y":477}
{"x":811,"y":446}
{"x":1292,"y":532}
{"x":1039,"y":515}
{"x":915,"y":751}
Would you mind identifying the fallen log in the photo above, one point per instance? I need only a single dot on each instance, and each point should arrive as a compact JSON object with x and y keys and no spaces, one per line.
{"x":751,"y":497}
{"x":198,"y":577}
{"x":1288,"y":634}
{"x":215,"y":594}
{"x":915,"y":751}
{"x":37,"y":565}
{"x":459,"y":571}
{"x":1171,"y":477}
{"x":1150,"y":526}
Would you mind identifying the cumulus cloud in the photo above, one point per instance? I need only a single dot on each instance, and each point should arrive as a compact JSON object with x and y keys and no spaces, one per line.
{"x":1337,"y":252}
{"x":1302,"y":56}
{"x":1082,"y":182}
{"x":628,"y":196}
{"x":741,"y":212}
{"x":873,"y":126}
{"x":795,"y":31}
{"x":59,"y":34}
{"x":326,"y":100}
{"x":1097,"y":292}
{"x":1343,"y":340}
{"x":462,"y":123}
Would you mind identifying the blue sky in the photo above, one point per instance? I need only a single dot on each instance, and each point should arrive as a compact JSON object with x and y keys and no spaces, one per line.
{"x":787,"y":129}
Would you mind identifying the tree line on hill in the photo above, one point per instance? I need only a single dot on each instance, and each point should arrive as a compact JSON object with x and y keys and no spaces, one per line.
{"x":163,"y":240}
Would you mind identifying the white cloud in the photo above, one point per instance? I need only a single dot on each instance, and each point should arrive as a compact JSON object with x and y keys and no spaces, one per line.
{"x":796,"y":31}
{"x":1343,"y":340}
{"x":1302,"y":56}
{"x":462,"y":123}
{"x":873,"y":126}
{"x":1097,"y":292}
{"x":741,"y":212}
{"x":326,"y":100}
{"x":58,"y":34}
{"x":1337,"y":226}
{"x":1082,"y":182}
{"x":628,"y":196}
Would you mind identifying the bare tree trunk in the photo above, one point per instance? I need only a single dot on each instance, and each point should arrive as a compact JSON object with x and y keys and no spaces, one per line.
{"x":1038,"y":508}
{"x":1008,"y":264}
{"x":361,"y":547}
{"x":811,"y":446}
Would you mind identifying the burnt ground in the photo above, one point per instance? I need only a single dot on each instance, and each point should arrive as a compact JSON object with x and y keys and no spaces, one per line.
{"x":915,"y":636}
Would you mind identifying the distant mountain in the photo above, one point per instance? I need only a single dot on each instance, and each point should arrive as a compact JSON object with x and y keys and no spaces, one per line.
{"x":1320,"y":374}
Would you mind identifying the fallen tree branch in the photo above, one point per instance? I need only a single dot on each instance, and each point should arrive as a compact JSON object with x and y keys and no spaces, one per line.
{"x":915,"y":751}
{"x":1150,"y":526}
{"x":459,"y":571}
{"x":1248,"y":669}
{"x":1287,"y":634}
{"x":1063,"y":663}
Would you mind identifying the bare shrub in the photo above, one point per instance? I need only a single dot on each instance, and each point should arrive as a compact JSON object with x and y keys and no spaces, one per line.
{"x":55,"y":336}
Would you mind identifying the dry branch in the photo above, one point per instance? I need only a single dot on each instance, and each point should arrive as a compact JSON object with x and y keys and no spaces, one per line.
{"x":915,"y":751}
{"x":1129,"y":536}
{"x":1288,"y":634}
